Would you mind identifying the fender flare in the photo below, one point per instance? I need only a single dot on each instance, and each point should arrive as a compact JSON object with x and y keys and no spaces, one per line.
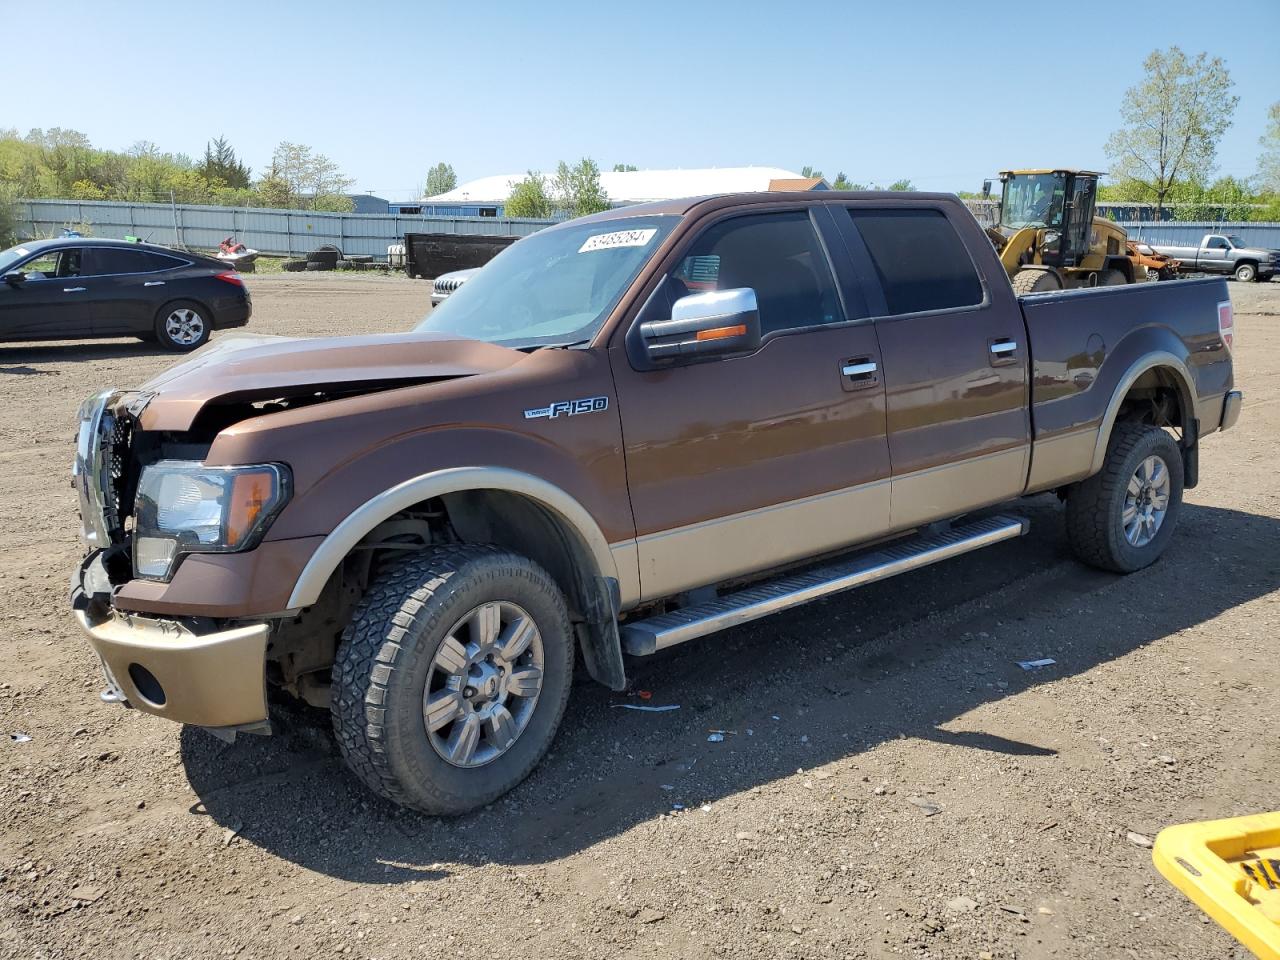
{"x":368,"y":515}
{"x":1148,"y":361}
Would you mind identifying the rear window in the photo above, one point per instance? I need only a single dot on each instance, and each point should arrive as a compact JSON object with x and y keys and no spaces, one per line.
{"x":920,"y":259}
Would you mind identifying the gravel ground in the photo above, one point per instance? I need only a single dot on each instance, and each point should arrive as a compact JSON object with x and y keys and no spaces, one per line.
{"x":890,"y":783}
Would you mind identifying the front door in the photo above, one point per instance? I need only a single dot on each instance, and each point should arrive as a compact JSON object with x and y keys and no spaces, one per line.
{"x":1215,"y":254}
{"x":51,"y":303}
{"x":955,"y":364}
{"x":739,"y":464}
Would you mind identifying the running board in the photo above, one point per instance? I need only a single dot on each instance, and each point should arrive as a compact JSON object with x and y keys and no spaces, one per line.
{"x":645,"y":637}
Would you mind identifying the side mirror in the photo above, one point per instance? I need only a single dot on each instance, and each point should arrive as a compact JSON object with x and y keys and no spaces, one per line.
{"x":704,"y":325}
{"x":986,"y":189}
{"x":15,"y":278}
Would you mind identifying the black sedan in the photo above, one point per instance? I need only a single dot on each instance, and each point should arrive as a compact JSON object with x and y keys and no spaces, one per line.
{"x":77,"y":287}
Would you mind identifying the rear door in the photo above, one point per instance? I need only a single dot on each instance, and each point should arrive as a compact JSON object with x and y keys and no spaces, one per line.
{"x":52,"y":303}
{"x":127,"y":287}
{"x":955,"y":358}
{"x":739,"y":464}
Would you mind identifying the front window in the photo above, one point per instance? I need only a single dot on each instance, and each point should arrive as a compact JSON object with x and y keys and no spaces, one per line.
{"x":1033,"y":200}
{"x":555,"y":287}
{"x":52,"y":264}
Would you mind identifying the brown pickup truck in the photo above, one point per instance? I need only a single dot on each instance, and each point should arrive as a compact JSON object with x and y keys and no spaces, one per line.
{"x":627,"y":431}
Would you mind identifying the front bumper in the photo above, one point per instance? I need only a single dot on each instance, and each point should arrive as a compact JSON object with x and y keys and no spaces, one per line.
{"x":212,"y":679}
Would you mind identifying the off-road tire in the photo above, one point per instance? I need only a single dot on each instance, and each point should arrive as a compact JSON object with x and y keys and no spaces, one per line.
{"x":1094,"y":506}
{"x":1112,"y":278}
{"x":1034,"y":281}
{"x":1246,"y":273}
{"x":315,"y":265}
{"x":343,"y":265}
{"x":385,"y":657}
{"x":293,"y":266}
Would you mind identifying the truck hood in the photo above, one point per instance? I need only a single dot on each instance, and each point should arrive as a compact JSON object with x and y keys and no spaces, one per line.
{"x":254,"y":367}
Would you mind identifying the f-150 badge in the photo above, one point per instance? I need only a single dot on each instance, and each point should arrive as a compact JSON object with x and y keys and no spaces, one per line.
{"x":568,"y":408}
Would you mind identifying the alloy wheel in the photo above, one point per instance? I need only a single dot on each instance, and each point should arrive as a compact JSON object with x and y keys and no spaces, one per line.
{"x":1146,"y":501}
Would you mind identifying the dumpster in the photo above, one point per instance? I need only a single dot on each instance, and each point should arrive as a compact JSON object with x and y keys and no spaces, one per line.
{"x":427,"y":255}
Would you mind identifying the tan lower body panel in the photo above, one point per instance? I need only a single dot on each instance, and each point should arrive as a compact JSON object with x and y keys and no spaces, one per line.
{"x":955,"y":488}
{"x":1062,"y":459}
{"x":212,"y":680}
{"x":716,"y":550}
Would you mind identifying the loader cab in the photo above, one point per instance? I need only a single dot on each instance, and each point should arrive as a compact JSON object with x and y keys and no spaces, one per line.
{"x":1057,"y":204}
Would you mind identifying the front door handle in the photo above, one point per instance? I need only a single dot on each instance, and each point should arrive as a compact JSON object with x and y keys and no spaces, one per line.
{"x":73,"y":289}
{"x":1002,"y":351}
{"x":154,"y":283}
{"x":858,"y":368}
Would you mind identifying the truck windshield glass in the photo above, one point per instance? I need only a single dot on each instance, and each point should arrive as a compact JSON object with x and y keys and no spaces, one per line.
{"x":553,"y":288}
{"x":1033,"y":200}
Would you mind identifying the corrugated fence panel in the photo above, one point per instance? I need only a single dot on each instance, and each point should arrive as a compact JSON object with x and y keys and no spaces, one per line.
{"x":277,"y":232}
{"x":1266,"y":235}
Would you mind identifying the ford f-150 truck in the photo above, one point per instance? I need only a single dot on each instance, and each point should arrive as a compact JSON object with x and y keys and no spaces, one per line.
{"x":1224,"y":253}
{"x":628,"y":431}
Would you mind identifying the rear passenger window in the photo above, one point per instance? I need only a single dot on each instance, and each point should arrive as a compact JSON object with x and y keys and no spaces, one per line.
{"x":103,"y":261}
{"x":921,"y":261}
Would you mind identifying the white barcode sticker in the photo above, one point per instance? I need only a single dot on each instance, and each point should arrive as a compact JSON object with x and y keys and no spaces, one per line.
{"x":620,"y":238}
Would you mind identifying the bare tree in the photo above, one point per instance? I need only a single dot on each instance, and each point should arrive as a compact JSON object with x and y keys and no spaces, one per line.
{"x":1268,"y":177}
{"x":1173,"y":121}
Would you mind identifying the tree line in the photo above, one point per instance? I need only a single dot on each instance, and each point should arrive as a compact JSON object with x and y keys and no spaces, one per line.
{"x":63,"y":164}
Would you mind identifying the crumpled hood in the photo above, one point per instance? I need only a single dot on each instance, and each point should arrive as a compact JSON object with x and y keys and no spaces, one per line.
{"x":253,"y":366}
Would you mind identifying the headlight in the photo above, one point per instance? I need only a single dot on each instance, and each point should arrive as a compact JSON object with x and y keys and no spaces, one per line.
{"x":184,"y":507}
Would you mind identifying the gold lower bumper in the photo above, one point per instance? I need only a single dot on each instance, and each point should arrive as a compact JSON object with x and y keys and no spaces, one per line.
{"x":160,"y":666}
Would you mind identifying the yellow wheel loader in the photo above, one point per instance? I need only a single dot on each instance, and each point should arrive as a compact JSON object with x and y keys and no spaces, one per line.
{"x":1047,"y":237}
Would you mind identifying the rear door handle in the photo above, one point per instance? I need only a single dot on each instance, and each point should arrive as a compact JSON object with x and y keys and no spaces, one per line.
{"x":858,"y":373}
{"x":154,"y":283}
{"x":1002,"y":351}
{"x":73,"y":289}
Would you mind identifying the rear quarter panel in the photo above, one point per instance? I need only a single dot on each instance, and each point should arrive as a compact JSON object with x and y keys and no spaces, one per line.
{"x":1086,"y":346}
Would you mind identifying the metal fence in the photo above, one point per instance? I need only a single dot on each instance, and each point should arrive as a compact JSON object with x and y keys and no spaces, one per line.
{"x":277,"y":232}
{"x":1266,"y":235}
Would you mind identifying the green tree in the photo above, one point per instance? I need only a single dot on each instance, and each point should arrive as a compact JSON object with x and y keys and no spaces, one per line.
{"x":1172,"y":122}
{"x":841,"y":182}
{"x":624,"y":168}
{"x":902,"y":185}
{"x":440,"y":179}
{"x":578,"y":190}
{"x":1267,"y":178}
{"x":807,"y":172}
{"x":307,"y":177}
{"x":529,"y":198}
{"x":8,"y":215}
{"x":220,"y":163}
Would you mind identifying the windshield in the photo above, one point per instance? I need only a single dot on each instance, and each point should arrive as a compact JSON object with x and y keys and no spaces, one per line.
{"x":10,"y":257}
{"x":1033,"y":200}
{"x":1234,"y":240}
{"x":555,"y":287}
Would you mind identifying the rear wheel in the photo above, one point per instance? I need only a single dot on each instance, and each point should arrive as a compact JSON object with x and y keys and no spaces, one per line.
{"x":1112,"y":278}
{"x":1035,"y":281}
{"x":452,"y":677}
{"x":183,"y":326}
{"x":1246,"y":273}
{"x":1122,"y":517}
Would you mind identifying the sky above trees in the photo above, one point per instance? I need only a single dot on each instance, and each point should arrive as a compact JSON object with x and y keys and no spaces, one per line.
{"x":878,"y":94}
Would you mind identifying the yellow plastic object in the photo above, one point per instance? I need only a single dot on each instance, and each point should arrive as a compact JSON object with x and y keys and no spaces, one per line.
{"x":1231,"y":870}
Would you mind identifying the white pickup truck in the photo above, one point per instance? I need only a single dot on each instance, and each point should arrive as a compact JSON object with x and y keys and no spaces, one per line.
{"x":1225,"y":253}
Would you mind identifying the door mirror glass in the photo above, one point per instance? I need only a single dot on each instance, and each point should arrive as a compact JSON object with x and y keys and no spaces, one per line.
{"x":15,"y":278}
{"x":709,"y":324}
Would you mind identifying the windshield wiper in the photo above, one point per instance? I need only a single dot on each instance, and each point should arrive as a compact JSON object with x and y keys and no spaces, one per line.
{"x":563,"y":346}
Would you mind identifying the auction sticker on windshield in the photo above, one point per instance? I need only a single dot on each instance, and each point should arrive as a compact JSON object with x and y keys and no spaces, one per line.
{"x":619,"y":238}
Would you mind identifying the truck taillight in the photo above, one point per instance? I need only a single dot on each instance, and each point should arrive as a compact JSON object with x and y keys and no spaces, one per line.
{"x":1226,"y":324}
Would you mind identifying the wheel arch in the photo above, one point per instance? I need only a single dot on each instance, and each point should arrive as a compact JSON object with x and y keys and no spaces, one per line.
{"x":1157,"y":367}
{"x":1123,"y":264}
{"x":519,"y":511}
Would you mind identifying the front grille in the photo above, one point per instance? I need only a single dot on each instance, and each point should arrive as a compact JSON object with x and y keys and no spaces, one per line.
{"x":116,"y":441}
{"x":101,"y":469}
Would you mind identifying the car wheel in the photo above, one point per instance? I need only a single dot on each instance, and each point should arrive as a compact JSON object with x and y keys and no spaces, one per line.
{"x":183,"y":326}
{"x":1122,"y":517}
{"x":451,"y":679}
{"x":1246,"y":273}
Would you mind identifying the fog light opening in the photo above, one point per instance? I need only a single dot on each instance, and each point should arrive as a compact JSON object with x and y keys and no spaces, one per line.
{"x":145,"y":682}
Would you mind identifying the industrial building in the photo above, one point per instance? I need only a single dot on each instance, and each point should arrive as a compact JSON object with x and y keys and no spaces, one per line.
{"x":485,"y":197}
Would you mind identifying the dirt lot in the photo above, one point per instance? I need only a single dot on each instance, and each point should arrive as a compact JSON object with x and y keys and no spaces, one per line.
{"x":810,"y":831}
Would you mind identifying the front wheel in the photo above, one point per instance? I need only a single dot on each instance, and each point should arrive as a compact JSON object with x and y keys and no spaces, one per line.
{"x":450,"y":681}
{"x":1122,"y":517}
{"x":1246,"y":273}
{"x":1035,"y":281}
{"x":183,"y":326}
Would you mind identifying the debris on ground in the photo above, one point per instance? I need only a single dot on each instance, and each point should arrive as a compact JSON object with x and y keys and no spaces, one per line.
{"x":927,"y":807}
{"x":646,"y":709}
{"x":86,"y":893}
{"x":1036,"y":664}
{"x":1138,"y":840}
{"x":962,"y":904}
{"x":715,"y":738}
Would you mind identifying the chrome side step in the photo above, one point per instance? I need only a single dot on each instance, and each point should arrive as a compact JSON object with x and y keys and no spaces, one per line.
{"x":665,"y":630}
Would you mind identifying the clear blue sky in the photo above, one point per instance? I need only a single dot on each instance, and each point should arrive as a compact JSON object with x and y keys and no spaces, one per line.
{"x":943,"y":93}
